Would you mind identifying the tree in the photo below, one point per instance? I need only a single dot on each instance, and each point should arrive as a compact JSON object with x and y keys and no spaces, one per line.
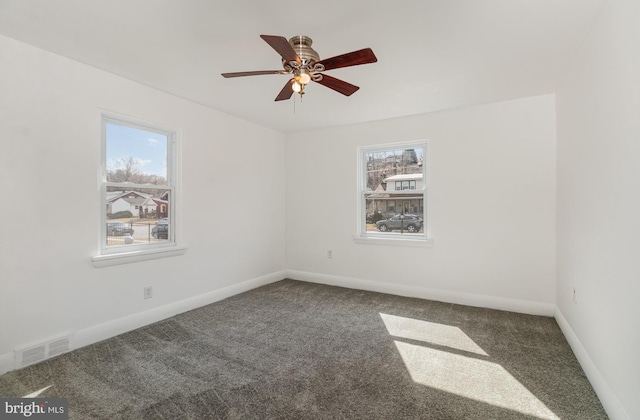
{"x":127,"y":170}
{"x":386,"y":163}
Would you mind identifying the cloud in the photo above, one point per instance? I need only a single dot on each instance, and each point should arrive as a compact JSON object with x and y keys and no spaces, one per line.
{"x":152,"y":142}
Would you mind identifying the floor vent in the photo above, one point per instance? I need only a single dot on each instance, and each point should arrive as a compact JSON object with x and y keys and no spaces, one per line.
{"x":26,"y":356}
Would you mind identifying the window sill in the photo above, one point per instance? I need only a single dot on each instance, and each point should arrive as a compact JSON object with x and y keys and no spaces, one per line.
{"x":108,"y":260}
{"x":394,"y":241}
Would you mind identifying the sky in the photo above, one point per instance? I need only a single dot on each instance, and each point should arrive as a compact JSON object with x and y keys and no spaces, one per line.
{"x":148,"y":148}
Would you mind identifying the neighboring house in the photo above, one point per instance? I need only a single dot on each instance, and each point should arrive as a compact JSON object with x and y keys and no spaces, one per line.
{"x":388,"y":203}
{"x":139,"y":204}
{"x":162,"y":208}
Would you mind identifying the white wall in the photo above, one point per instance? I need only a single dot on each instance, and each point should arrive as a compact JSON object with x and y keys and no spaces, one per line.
{"x":50,"y":125}
{"x":492,"y":207}
{"x":599,"y":206}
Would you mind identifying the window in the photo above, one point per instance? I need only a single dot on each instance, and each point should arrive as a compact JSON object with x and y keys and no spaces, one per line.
{"x":405,"y":185}
{"x":392,"y":192}
{"x":138,"y":188}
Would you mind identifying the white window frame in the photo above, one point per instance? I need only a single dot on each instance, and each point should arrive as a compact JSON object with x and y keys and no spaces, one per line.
{"x":115,"y":255}
{"x":364,"y":237}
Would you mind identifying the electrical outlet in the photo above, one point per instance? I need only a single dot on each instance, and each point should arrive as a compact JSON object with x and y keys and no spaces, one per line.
{"x":329,"y":254}
{"x":148,"y":292}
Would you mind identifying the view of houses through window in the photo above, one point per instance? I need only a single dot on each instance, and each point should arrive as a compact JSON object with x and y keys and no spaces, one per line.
{"x":394,"y":189}
{"x":138,"y":185}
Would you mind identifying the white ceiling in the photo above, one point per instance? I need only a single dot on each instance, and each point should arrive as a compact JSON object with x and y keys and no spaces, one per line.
{"x":432,"y":54}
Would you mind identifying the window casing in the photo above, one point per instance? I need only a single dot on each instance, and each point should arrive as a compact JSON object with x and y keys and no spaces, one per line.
{"x":392,"y":192}
{"x":138,"y":188}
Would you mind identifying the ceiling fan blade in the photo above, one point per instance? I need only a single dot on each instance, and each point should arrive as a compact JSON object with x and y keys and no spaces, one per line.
{"x":282,"y":47}
{"x":338,"y":85}
{"x":355,"y":58}
{"x":252,"y":73}
{"x":286,"y":92}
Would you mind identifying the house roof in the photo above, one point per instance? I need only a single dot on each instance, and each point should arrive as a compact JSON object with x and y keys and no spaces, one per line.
{"x":403,"y":177}
{"x":114,"y":195}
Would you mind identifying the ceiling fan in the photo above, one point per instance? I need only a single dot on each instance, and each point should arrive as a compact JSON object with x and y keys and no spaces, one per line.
{"x":303,"y":63}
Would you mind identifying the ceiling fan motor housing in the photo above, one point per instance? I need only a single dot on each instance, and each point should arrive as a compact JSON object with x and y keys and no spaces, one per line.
{"x":302,"y":46}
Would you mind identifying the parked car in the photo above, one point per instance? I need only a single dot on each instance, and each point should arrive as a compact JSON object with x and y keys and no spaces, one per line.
{"x":119,"y":229}
{"x":161,"y":229}
{"x":410,"y":223}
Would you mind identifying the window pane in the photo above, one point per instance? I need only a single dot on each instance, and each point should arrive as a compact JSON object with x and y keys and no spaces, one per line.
{"x":136,"y":155}
{"x":138,"y":186}
{"x":393,"y":188}
{"x":382,"y":166}
{"x":137,"y":215}
{"x":381,"y":215}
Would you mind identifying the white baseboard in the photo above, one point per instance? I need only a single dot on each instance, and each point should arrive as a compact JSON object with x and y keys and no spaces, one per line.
{"x":615,"y":410}
{"x":493,"y":302}
{"x":100,"y":332}
{"x":7,"y":362}
{"x":94,"y":334}
{"x":110,"y":329}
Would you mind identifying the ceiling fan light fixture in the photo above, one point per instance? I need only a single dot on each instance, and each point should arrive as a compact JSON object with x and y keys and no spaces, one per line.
{"x":297,"y":87}
{"x":303,"y":78}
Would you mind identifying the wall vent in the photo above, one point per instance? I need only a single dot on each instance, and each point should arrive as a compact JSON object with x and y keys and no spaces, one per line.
{"x":26,"y":356}
{"x":32,"y":355}
{"x":58,"y":346}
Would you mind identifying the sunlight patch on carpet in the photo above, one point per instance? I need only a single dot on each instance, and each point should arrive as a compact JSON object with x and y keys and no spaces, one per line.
{"x":430,"y":332}
{"x":472,"y":378}
{"x":38,"y":392}
{"x":469,"y":376}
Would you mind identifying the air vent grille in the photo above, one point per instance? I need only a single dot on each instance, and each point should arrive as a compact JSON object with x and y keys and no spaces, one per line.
{"x":26,"y":356}
{"x":58,"y":347}
{"x":32,"y":355}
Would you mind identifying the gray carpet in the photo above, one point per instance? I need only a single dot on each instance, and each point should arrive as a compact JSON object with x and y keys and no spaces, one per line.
{"x":295,"y":350}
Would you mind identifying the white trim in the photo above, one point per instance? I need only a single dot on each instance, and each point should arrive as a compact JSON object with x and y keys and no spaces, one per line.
{"x":108,"y":260}
{"x":405,"y":177}
{"x":484,"y":301}
{"x":7,"y":362}
{"x":394,"y":240}
{"x":112,"y":328}
{"x":97,"y":333}
{"x":610,"y":402}
{"x":100,"y":332}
